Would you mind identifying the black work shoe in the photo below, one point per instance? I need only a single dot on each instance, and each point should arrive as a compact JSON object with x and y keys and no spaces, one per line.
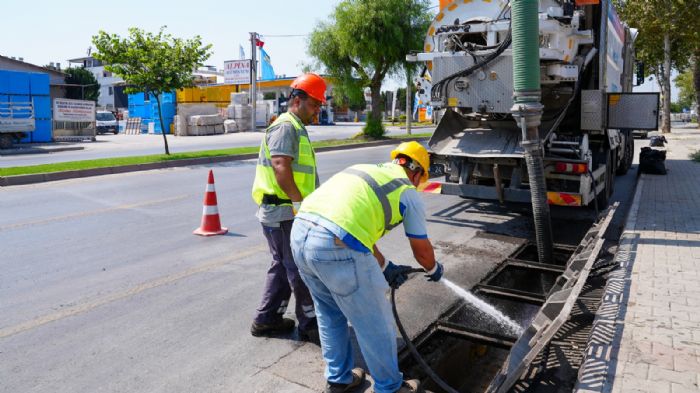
{"x":310,"y":335}
{"x":358,"y":378}
{"x":411,"y":386}
{"x":285,"y":325}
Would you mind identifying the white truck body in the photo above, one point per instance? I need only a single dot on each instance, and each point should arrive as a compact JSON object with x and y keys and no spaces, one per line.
{"x":586,"y":69}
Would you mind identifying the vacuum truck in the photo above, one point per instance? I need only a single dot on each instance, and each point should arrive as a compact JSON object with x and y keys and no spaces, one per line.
{"x":584,"y":68}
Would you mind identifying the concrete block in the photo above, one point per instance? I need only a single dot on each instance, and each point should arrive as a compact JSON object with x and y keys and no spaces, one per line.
{"x":239,"y":111}
{"x":205,"y":120}
{"x":230,"y":126}
{"x":180,"y":125}
{"x":240,"y":98}
{"x":187,"y":110}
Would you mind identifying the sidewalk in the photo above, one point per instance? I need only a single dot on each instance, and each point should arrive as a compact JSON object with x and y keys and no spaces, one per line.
{"x":646,"y":335}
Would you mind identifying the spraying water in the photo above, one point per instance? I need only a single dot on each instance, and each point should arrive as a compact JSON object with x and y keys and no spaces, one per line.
{"x":484,"y":307}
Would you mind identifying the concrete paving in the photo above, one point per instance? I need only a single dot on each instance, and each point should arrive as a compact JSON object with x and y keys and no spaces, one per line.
{"x":646,"y":336}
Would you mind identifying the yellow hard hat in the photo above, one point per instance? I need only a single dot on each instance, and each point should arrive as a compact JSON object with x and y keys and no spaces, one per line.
{"x":417,"y":153}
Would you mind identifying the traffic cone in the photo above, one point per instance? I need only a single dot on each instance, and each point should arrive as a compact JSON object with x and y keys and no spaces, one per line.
{"x":211,"y":225}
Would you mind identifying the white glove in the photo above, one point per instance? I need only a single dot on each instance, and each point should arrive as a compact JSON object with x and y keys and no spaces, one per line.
{"x":295,"y":207}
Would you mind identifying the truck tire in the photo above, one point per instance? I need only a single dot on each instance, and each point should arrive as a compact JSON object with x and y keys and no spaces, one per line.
{"x":5,"y":141}
{"x":626,"y":163}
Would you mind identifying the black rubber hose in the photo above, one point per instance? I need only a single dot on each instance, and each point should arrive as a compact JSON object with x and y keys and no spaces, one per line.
{"x":412,"y":348}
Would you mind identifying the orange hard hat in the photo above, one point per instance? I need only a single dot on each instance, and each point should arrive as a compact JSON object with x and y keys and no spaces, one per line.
{"x":311,"y":84}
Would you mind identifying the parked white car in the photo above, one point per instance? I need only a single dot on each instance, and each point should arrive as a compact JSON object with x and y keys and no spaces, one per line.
{"x":106,"y":122}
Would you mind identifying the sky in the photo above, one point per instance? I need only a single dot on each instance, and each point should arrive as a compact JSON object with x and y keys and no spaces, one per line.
{"x":44,"y":31}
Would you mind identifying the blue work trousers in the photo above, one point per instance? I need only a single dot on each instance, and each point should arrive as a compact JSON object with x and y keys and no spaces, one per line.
{"x":283,"y":279}
{"x":347,"y":285}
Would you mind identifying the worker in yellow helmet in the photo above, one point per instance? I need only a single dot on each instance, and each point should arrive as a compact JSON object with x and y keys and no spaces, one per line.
{"x":334,"y":240}
{"x":284,"y":176}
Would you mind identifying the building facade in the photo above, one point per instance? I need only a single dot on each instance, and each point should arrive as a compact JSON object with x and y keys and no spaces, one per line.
{"x":111,"y":86}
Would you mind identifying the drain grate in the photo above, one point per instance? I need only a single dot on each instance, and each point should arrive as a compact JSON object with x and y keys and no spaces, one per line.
{"x":519,"y":287}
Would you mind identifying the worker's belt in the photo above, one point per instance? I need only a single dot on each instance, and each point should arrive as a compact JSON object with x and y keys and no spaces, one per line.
{"x":275,"y":200}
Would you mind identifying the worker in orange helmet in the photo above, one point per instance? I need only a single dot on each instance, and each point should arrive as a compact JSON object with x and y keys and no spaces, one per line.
{"x":284,"y":176}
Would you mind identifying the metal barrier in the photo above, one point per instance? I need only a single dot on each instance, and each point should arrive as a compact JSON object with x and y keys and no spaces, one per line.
{"x":556,"y":308}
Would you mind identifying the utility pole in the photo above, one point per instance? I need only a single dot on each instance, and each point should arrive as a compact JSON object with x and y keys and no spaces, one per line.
{"x":253,"y":75}
{"x":409,"y":114}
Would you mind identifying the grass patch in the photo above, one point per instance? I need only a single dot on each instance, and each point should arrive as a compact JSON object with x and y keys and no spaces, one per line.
{"x":121,"y":161}
{"x":695,"y":156}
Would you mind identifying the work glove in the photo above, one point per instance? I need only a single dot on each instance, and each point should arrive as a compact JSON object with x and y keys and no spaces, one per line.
{"x":435,"y":274}
{"x":295,"y":207}
{"x":395,"y":275}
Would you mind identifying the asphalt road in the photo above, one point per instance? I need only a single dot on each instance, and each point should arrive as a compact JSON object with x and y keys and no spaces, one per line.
{"x":104,"y":288}
{"x":121,"y":145}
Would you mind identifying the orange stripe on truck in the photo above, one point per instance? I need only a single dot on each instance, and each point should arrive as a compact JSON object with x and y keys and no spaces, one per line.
{"x":430,"y":187}
{"x":563,"y":199}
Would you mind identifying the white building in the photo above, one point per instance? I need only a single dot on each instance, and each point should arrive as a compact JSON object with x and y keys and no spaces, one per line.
{"x":108,"y":82}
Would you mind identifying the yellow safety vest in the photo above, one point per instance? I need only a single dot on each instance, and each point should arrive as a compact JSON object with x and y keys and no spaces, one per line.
{"x":303,"y":167}
{"x":363,"y":200}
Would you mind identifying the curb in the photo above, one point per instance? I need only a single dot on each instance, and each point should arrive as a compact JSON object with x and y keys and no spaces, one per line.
{"x":36,"y":150}
{"x":597,"y":372}
{"x":54,"y":176}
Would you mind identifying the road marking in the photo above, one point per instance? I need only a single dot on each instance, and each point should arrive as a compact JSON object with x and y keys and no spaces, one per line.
{"x":79,"y":309}
{"x":91,"y":213}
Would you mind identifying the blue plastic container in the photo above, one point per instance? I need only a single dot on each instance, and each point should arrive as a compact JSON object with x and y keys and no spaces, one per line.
{"x":4,"y":82}
{"x":136,"y":98}
{"x":38,"y":84}
{"x":135,"y":110}
{"x":167,"y":121}
{"x":42,"y":132}
{"x":42,"y":107}
{"x":19,"y":83}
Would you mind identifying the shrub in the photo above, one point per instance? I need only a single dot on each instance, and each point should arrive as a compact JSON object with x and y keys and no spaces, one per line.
{"x":374,"y":128}
{"x":695,"y":156}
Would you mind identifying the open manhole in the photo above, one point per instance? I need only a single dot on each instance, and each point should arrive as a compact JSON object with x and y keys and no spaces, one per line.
{"x":467,"y":346}
{"x":465,"y":364}
{"x":561,"y":254}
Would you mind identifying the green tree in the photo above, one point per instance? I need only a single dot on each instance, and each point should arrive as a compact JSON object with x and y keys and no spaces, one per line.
{"x":687,"y":94}
{"x":668,"y":36}
{"x":366,"y":40}
{"x":88,"y":88}
{"x":151,"y":63}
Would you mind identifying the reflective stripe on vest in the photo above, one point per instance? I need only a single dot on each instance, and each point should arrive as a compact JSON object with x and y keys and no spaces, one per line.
{"x":363,"y":200}
{"x":303,"y":165}
{"x":382,"y":193}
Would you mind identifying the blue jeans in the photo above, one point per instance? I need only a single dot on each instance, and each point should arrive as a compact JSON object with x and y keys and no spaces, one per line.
{"x":347,"y":285}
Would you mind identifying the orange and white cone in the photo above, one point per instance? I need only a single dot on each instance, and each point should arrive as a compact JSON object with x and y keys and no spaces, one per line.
{"x":211,"y":224}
